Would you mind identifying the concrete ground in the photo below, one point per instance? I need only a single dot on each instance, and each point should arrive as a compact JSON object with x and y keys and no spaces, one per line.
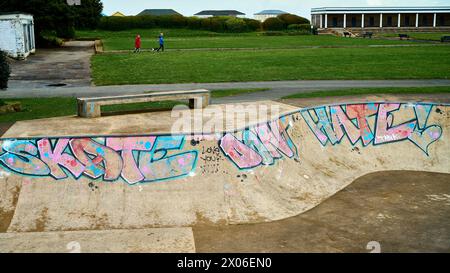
{"x":403,"y":211}
{"x":68,"y":65}
{"x":154,"y":240}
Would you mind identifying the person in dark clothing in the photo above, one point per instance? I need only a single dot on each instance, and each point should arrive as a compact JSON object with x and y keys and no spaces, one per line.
{"x":161,"y":43}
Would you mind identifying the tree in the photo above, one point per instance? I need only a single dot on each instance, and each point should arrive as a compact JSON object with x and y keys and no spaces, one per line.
{"x":88,"y":14}
{"x":49,"y":16}
{"x":4,"y":71}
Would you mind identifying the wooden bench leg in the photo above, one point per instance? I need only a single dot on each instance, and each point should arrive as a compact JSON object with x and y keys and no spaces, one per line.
{"x":89,"y":110}
{"x":199,"y":103}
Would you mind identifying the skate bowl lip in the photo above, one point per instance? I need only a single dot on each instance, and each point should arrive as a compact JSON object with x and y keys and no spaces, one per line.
{"x":223,"y":132}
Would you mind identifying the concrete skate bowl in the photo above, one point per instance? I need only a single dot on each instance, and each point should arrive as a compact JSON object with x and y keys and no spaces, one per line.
{"x":266,"y":172}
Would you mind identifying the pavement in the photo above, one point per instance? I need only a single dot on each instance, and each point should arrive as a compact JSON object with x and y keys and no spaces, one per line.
{"x":278,"y":89}
{"x":199,"y":182}
{"x":68,"y":65}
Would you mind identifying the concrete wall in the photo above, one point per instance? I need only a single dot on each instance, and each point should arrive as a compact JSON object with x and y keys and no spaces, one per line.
{"x":270,"y":171}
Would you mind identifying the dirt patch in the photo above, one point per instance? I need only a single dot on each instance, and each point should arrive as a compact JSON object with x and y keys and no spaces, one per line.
{"x":6,"y":216}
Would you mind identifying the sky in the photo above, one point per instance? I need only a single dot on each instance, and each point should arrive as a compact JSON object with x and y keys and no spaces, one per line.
{"x":250,"y":7}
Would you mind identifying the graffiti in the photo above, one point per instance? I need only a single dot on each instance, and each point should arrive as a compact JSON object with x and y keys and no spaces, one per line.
{"x":259,"y":145}
{"x":133,"y":159}
{"x":373,"y":123}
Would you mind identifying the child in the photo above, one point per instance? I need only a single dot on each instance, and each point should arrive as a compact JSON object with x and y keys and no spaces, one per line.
{"x":137,"y":44}
{"x":161,"y":43}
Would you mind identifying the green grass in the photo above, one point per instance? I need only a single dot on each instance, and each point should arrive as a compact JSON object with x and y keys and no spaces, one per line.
{"x":197,"y":39}
{"x":431,"y":36}
{"x":272,"y":65}
{"x":36,"y":108}
{"x":371,"y":91}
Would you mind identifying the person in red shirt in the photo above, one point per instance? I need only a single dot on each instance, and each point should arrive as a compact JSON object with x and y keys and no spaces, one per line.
{"x":137,"y":44}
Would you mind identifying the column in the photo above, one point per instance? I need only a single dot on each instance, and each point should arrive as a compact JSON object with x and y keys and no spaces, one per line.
{"x":321,"y":23}
{"x":326,"y":20}
{"x":399,"y":23}
{"x":417,"y":20}
{"x":362,"y":20}
{"x":345,"y":20}
{"x":434,"y":20}
{"x":381,"y":20}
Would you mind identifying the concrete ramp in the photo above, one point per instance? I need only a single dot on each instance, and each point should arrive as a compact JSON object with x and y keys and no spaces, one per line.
{"x":156,"y":240}
{"x":268,"y":171}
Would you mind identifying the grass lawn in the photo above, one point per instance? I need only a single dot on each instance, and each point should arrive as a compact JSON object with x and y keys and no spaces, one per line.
{"x":431,"y":36}
{"x":36,"y":108}
{"x":267,"y":65}
{"x":371,"y":91}
{"x":190,"y":39}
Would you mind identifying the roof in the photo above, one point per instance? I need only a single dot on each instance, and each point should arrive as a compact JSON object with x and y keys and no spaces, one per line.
{"x":428,"y":9}
{"x":158,"y":12}
{"x":271,"y":12}
{"x":220,"y":12}
{"x":15,"y":15}
{"x":118,"y":13}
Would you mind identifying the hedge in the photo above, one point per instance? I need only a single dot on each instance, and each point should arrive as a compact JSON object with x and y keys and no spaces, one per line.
{"x":291,"y":19}
{"x":216,"y":24}
{"x":272,"y":24}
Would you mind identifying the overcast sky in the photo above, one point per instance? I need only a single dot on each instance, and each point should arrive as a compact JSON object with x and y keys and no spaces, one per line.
{"x":300,"y":7}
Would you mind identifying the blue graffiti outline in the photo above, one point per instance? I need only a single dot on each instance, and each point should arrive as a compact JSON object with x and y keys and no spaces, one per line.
{"x":70,"y":175}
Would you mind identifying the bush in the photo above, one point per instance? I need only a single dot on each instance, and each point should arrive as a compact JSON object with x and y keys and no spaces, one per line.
{"x":273,"y":24}
{"x":291,"y":19}
{"x":236,"y":25}
{"x":50,"y":39}
{"x":4,"y":71}
{"x":300,"y":28}
{"x":252,"y":25}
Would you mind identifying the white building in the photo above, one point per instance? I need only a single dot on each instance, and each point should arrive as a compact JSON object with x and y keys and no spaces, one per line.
{"x":382,"y":18}
{"x":266,"y":14}
{"x":17,"y":35}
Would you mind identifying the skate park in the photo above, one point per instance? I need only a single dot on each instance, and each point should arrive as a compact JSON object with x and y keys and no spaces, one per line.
{"x":310,"y":129}
{"x":102,"y":176}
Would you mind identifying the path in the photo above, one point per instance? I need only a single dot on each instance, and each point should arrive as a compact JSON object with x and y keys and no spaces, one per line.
{"x":278,"y":89}
{"x":69,"y":64}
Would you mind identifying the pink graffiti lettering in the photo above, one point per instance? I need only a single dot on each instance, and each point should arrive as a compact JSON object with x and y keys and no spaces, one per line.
{"x":130,"y":170}
{"x":54,"y":158}
{"x":385,"y":132}
{"x":84,"y":147}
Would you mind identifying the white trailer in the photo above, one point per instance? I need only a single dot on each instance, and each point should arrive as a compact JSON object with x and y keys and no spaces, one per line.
{"x":17,"y":35}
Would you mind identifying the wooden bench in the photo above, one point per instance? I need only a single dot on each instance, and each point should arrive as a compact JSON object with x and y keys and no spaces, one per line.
{"x":403,"y":36}
{"x":445,"y":39}
{"x":91,"y":107}
{"x":367,"y":34}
